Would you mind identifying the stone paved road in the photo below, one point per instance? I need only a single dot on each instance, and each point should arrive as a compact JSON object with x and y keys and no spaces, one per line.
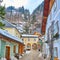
{"x":33,"y":55}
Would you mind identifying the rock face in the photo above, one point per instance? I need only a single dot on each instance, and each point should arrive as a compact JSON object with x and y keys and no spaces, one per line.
{"x":37,"y":18}
{"x":17,"y":16}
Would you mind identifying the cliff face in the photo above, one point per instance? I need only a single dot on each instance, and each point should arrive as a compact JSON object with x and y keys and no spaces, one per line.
{"x":38,"y":13}
{"x":39,"y":8}
{"x":22,"y":17}
{"x":18,"y":15}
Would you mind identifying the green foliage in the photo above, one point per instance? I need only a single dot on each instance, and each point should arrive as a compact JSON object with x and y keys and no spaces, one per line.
{"x":56,"y":35}
{"x":2,"y":12}
{"x":1,"y":24}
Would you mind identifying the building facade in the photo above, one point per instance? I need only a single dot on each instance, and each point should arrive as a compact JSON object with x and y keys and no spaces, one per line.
{"x":52,"y":34}
{"x":10,"y":28}
{"x":10,"y":39}
{"x":9,"y":45}
{"x":30,"y":41}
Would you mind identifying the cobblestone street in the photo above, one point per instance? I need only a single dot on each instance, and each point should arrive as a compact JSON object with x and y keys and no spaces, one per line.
{"x":33,"y":55}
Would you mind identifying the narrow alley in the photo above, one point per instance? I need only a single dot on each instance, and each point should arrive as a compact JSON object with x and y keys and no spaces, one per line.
{"x":32,"y":55}
{"x":29,"y":29}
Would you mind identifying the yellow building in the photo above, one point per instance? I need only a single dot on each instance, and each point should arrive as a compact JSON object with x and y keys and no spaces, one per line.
{"x":13,"y":31}
{"x":10,"y":28}
{"x":30,"y":41}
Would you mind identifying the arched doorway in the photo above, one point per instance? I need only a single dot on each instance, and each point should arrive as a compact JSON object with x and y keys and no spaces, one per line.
{"x":28,"y":46}
{"x":34,"y":46}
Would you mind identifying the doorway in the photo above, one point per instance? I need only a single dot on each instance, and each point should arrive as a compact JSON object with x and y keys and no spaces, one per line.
{"x":34,"y":46}
{"x":7,"y":53}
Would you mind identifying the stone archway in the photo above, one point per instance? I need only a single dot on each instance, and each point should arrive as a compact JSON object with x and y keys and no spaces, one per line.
{"x":28,"y":46}
{"x":34,"y":46}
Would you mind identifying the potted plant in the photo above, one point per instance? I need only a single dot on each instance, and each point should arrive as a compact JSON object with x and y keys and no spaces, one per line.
{"x":56,"y":35}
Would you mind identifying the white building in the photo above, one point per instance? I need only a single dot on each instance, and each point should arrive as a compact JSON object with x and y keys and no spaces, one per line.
{"x":53,"y":30}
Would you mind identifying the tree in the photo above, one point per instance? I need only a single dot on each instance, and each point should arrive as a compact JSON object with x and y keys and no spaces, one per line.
{"x":1,"y":24}
{"x":2,"y":14}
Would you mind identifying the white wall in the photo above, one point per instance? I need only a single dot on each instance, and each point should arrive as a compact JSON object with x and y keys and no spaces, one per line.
{"x":57,"y":44}
{"x":54,"y":16}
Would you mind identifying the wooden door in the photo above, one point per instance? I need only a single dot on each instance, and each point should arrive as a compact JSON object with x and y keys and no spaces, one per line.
{"x":7,"y":52}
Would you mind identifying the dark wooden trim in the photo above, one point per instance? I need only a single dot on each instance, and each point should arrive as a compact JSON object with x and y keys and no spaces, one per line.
{"x":47,"y":8}
{"x":9,"y":39}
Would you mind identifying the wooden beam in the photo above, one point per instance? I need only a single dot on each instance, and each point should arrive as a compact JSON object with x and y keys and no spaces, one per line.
{"x":47,"y":8}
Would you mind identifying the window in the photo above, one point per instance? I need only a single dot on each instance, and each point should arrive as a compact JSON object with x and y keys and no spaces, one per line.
{"x":55,"y":5}
{"x":50,"y":15}
{"x":28,"y":39}
{"x":55,"y":52}
{"x":49,"y":33}
{"x":14,"y":49}
{"x":34,"y":39}
{"x":22,"y":40}
{"x":28,"y":45}
{"x":56,"y":28}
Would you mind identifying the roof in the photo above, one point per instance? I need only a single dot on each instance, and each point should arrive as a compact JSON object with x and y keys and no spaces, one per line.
{"x":10,"y":25}
{"x":5,"y":33}
{"x":7,"y":24}
{"x":32,"y":36}
{"x":37,"y":33}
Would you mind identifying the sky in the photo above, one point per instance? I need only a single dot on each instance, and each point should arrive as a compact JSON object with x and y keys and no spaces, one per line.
{"x":28,"y":4}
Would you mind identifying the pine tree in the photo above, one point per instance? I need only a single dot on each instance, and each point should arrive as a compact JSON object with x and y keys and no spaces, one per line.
{"x":2,"y":14}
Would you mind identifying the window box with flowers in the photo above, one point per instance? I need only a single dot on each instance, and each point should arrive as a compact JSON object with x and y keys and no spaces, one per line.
{"x":56,"y":35}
